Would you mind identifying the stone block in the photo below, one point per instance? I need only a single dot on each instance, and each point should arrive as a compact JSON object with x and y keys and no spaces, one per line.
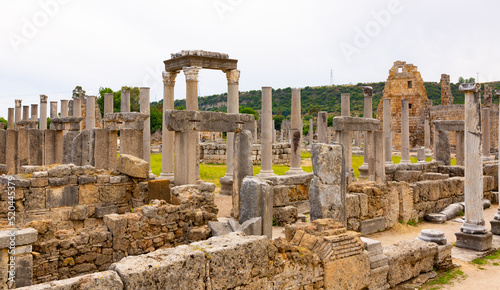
{"x":59,"y":181}
{"x":35,"y":199}
{"x":23,"y":237}
{"x":39,"y":182}
{"x":476,"y":242}
{"x":158,"y":189}
{"x":85,"y":179}
{"x":281,"y":195}
{"x":219,"y":228}
{"x":355,"y":124}
{"x":373,"y":247}
{"x":256,"y":200}
{"x":353,"y":208}
{"x":79,"y":213}
{"x":117,"y":224}
{"x":24,"y":270}
{"x":348,"y":273}
{"x":132,"y":166}
{"x":251,"y":227}
{"x":58,"y":197}
{"x":102,"y":280}
{"x":285,"y":215}
{"x":409,"y":176}
{"x":372,"y":225}
{"x":112,"y":193}
{"x":101,"y":211}
{"x":433,"y":236}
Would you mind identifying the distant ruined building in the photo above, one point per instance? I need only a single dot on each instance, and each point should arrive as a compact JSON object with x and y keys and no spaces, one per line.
{"x":405,"y":82}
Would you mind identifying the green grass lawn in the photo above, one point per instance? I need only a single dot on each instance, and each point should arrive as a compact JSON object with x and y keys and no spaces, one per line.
{"x":213,"y":172}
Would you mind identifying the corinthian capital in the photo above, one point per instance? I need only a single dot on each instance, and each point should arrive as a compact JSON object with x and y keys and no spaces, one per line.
{"x":169,"y":77}
{"x":233,"y":76}
{"x":43,"y":99}
{"x":368,"y":91}
{"x":470,"y":87}
{"x":191,"y":73}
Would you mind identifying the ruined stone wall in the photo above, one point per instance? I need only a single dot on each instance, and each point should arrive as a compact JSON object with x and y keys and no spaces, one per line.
{"x":456,"y":112}
{"x":405,"y":82}
{"x":87,"y":219}
{"x":446,"y":96}
{"x":319,"y":255}
{"x":216,"y":153}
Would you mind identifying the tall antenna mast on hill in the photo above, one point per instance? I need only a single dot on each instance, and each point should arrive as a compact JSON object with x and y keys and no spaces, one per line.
{"x":331,"y":77}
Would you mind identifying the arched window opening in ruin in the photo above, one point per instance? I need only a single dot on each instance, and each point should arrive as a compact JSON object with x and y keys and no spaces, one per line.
{"x":409,"y":84}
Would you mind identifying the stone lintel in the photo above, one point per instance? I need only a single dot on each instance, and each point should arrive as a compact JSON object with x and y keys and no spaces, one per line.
{"x":127,"y":120}
{"x":176,"y":64}
{"x":355,"y":124}
{"x":449,"y":125}
{"x":207,"y":121}
{"x":60,"y":123}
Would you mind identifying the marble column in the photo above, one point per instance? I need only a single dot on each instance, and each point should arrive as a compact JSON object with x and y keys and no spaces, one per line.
{"x":345,"y":105}
{"x":459,"y":142}
{"x":108,"y":103}
{"x":64,"y":108}
{"x":90,"y":118}
{"x":486,"y":134}
{"x":405,"y":132}
{"x":427,"y":137}
{"x":34,"y":112}
{"x":281,"y":135}
{"x":367,"y":113}
{"x":167,"y":137}
{"x":26,"y":113}
{"x":346,"y":137}
{"x":125,"y":102}
{"x":17,"y":112}
{"x":274,"y":131}
{"x":296,"y":133}
{"x":387,"y":130}
{"x":11,"y":123}
{"x":53,"y":110}
{"x":321,"y":128}
{"x":146,"y":136}
{"x":495,"y":222}
{"x":311,"y":131}
{"x":77,"y":107}
{"x":266,"y":135}
{"x":473,"y":233}
{"x":43,"y":112}
{"x":233,"y":102}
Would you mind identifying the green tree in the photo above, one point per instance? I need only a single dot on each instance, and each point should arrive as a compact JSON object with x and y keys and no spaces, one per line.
{"x":78,"y":92}
{"x":156,"y":116}
{"x":277,"y":122}
{"x":2,"y":120}
{"x":248,"y":110}
{"x":180,"y":108}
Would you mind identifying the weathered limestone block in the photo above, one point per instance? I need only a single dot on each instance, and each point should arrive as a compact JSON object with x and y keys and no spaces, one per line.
{"x":132,"y":166}
{"x":409,"y":176}
{"x":348,"y":273}
{"x":407,"y":259}
{"x":285,"y":215}
{"x":102,"y":280}
{"x":492,"y":170}
{"x":327,"y":189}
{"x":256,"y":200}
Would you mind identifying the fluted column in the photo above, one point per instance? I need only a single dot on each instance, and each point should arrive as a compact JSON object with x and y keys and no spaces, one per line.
{"x":43,"y":112}
{"x":296,"y":134}
{"x":368,"y":113}
{"x":18,"y":111}
{"x":486,"y":134}
{"x":53,"y":110}
{"x":473,"y":234}
{"x":146,"y":136}
{"x":167,"y":144}
{"x":387,"y":130}
{"x":266,"y":135}
{"x":405,"y":132}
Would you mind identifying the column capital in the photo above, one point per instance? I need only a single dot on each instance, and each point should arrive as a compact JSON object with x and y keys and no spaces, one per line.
{"x":470,"y":87}
{"x":191,"y":73}
{"x":169,"y":77}
{"x":367,"y":91}
{"x":43,"y":99}
{"x":18,"y":103}
{"x":233,"y":76}
{"x":497,"y":93}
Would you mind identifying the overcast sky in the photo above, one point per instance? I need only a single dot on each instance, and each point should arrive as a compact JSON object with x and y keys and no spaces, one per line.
{"x":51,"y":46}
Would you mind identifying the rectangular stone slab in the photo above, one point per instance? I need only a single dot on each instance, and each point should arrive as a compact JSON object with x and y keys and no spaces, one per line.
{"x":449,"y":125}
{"x":178,"y":63}
{"x":355,"y":124}
{"x":182,"y":121}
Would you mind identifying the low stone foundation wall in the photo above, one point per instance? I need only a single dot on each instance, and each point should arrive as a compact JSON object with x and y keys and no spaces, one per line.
{"x":319,"y":255}
{"x":216,"y":153}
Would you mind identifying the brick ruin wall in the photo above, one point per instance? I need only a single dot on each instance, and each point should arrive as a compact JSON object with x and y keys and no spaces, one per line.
{"x":87,"y":219}
{"x":215,"y":153}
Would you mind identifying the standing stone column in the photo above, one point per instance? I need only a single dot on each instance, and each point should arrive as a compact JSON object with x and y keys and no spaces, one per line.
{"x":167,"y":137}
{"x":387,"y":130}
{"x":345,"y":105}
{"x":296,"y":132}
{"x":18,"y":112}
{"x":146,"y":136}
{"x":43,"y":112}
{"x":486,"y":134}
{"x":11,"y":123}
{"x":367,"y":113}
{"x":34,"y":112}
{"x":321,"y":128}
{"x":311,"y":131}
{"x":125,"y":101}
{"x":64,"y":108}
{"x":26,"y":113}
{"x":427,"y":136}
{"x":473,"y":234}
{"x":77,"y":107}
{"x":405,"y":132}
{"x":233,"y":103}
{"x":53,"y":110}
{"x":90,"y":120}
{"x":108,"y":103}
{"x":266,"y":134}
{"x":495,"y":223}
{"x":459,"y":142}
{"x":346,"y":137}
{"x":274,"y":131}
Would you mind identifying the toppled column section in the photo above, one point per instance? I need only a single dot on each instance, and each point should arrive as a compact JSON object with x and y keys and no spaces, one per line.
{"x":256,"y":200}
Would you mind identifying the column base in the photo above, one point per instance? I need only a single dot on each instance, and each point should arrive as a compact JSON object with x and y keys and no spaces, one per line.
{"x":476,"y":242}
{"x":226,"y":185}
{"x":495,"y":227}
{"x":405,"y":161}
{"x":363,"y":170}
{"x":488,"y":158}
{"x":265,"y":173}
{"x":293,"y":171}
{"x":169,"y":176}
